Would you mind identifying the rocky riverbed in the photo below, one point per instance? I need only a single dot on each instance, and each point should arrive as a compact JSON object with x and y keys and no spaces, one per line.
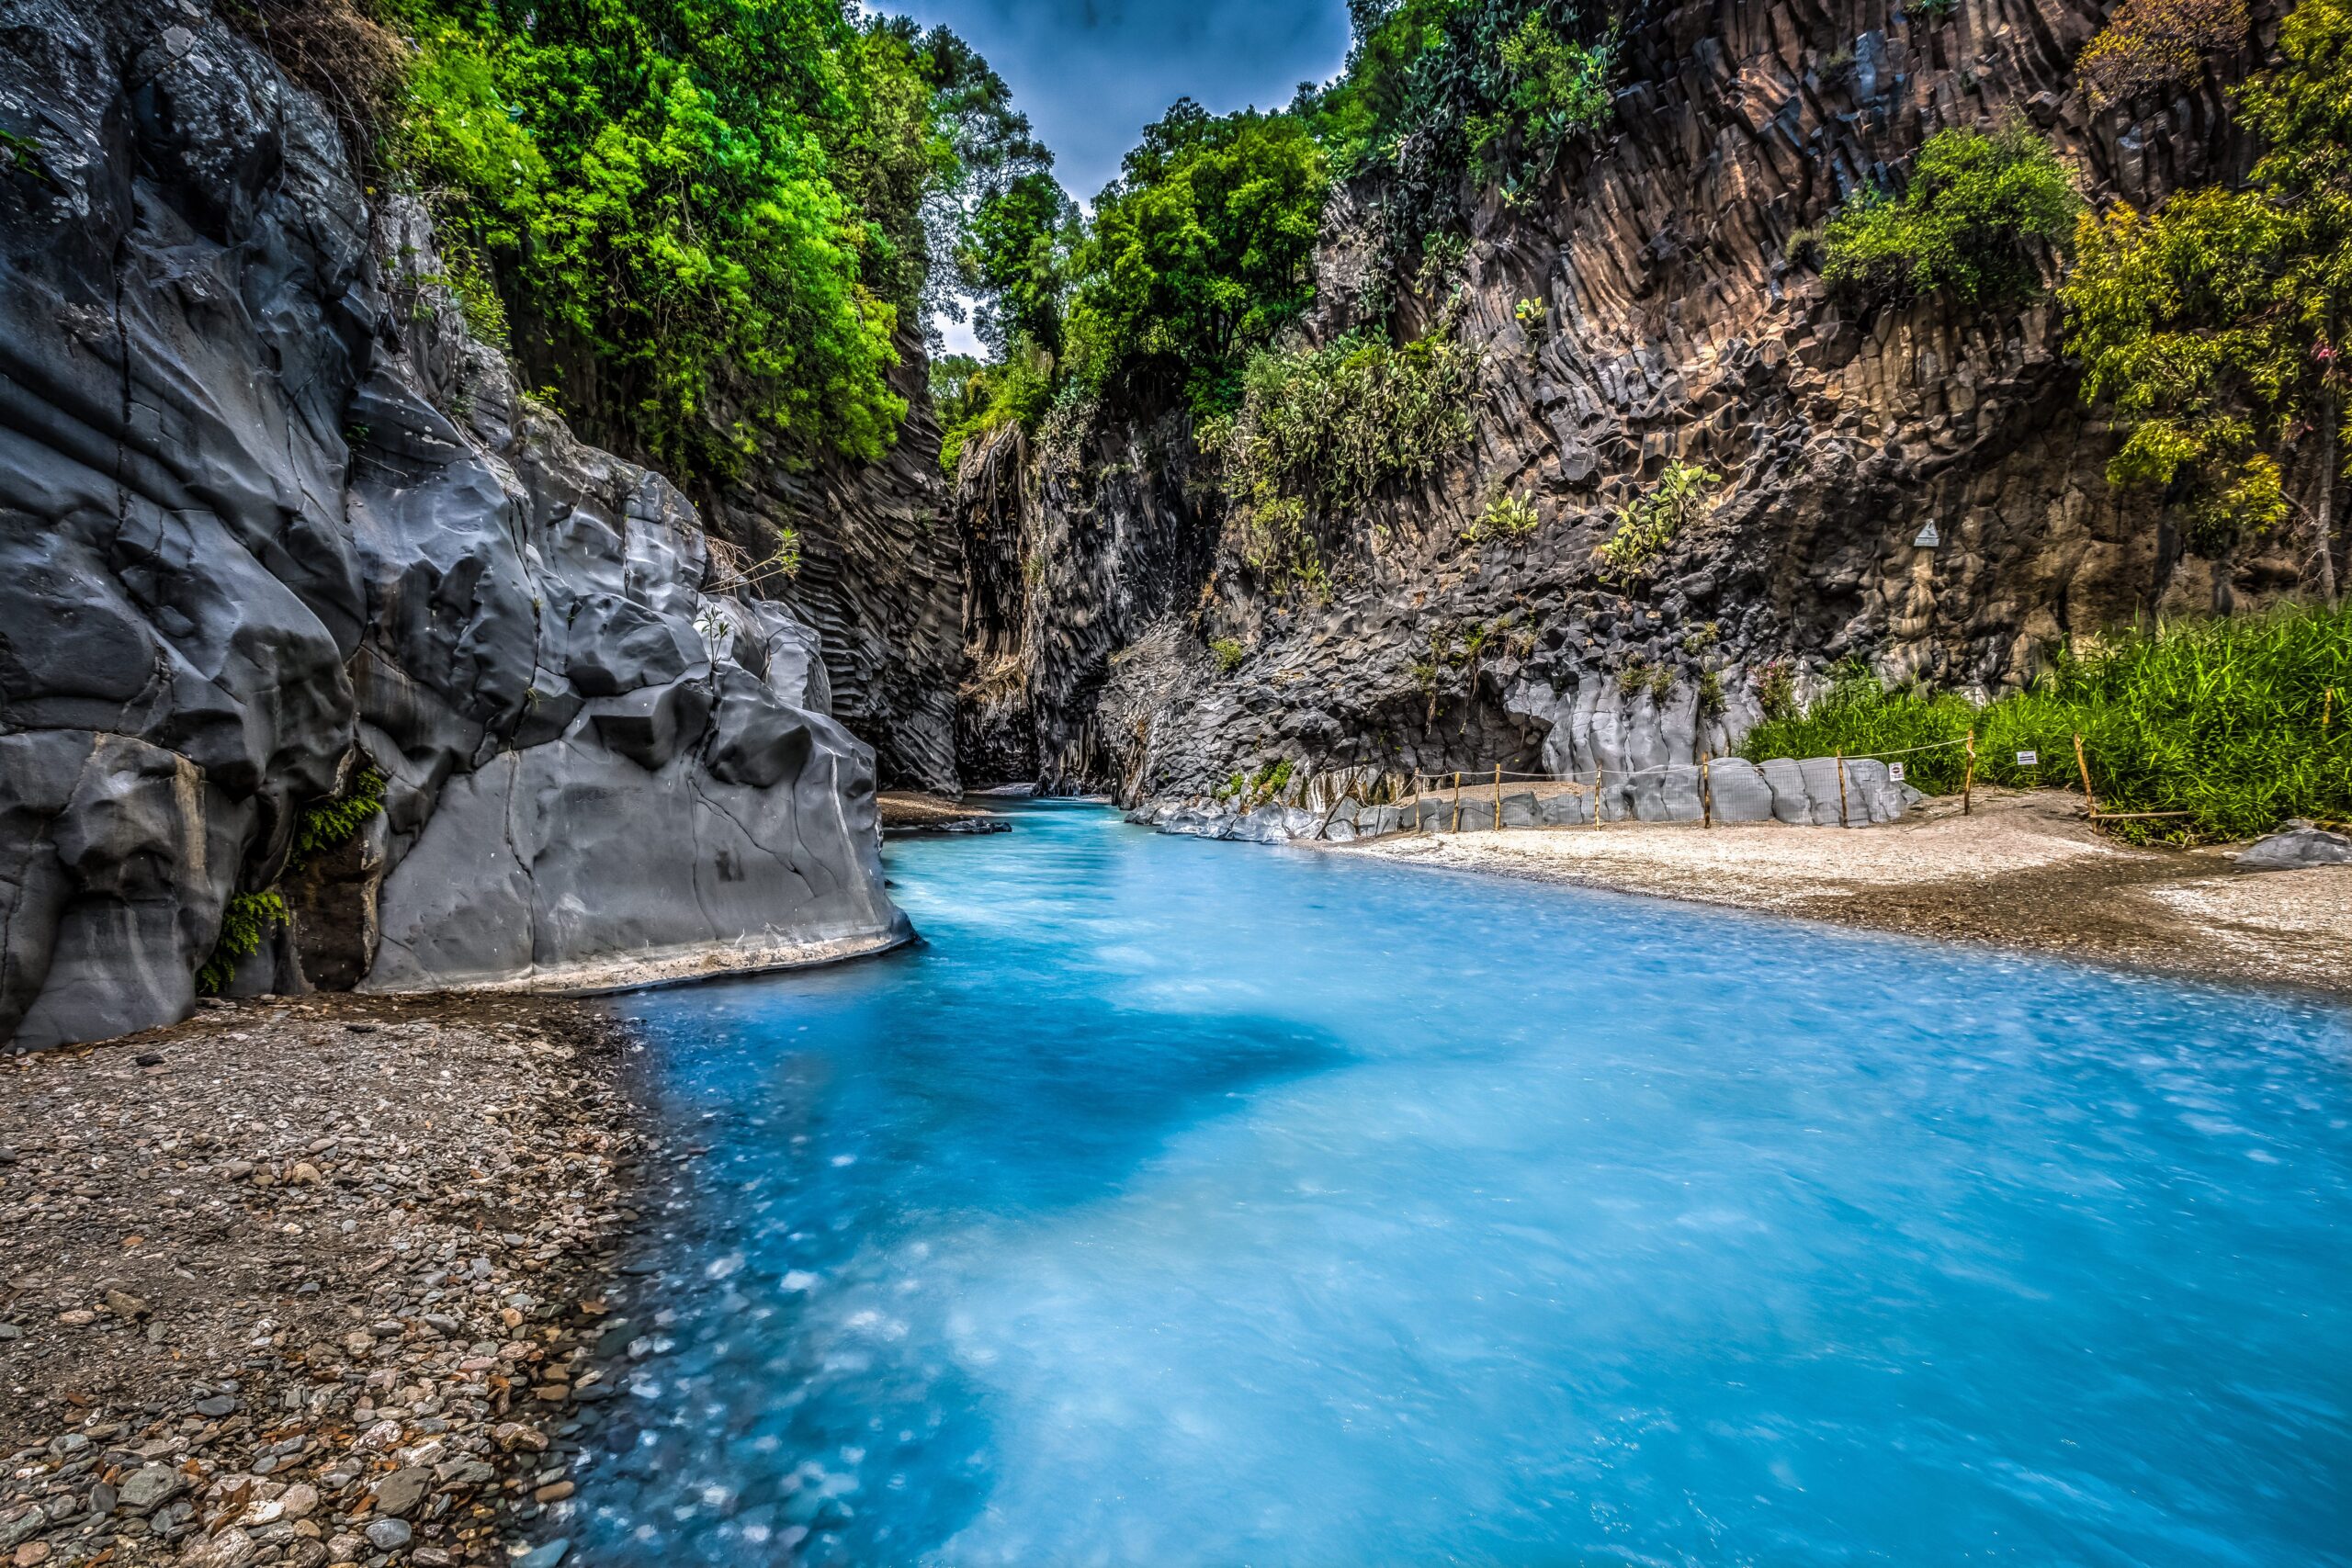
{"x":316,"y":1281}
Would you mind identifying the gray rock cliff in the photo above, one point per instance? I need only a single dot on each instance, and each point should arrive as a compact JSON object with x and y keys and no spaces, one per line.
{"x":1663,"y":318}
{"x":270,"y":517}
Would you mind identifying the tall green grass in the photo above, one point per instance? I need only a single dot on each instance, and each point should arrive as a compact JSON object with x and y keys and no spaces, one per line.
{"x":2219,"y":719}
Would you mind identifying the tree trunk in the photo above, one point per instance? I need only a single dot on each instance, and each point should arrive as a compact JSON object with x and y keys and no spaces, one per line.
{"x":2331,"y":454}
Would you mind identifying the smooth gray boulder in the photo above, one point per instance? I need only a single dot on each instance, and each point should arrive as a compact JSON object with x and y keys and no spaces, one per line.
{"x":2298,"y":846}
{"x":1741,"y":792}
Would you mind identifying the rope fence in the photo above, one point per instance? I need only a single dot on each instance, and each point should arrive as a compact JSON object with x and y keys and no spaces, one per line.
{"x":1424,"y":786}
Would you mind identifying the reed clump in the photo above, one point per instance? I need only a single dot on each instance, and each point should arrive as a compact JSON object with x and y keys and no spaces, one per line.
{"x":2238,"y":723}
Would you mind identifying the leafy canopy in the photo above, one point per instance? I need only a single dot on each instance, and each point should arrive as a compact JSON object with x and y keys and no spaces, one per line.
{"x":1199,"y":252}
{"x":719,"y":204}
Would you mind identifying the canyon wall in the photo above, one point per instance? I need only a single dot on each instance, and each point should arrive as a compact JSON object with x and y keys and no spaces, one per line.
{"x":1642,"y":307}
{"x":272,"y":520}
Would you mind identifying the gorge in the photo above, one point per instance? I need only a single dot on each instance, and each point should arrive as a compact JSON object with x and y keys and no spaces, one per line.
{"x":292,"y":536}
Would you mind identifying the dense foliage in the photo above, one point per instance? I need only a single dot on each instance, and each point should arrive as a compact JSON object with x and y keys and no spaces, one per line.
{"x":1966,"y":223}
{"x":1200,"y":250}
{"x":720,"y":203}
{"x":1435,"y":90}
{"x":2238,"y":723}
{"x":2215,"y":324}
{"x":2158,"y":44}
{"x":1320,"y":429}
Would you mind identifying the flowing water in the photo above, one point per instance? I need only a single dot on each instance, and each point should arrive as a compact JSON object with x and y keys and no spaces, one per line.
{"x":1181,"y":1203}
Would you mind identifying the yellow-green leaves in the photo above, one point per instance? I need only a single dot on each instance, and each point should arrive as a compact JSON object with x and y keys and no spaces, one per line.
{"x":2214,"y":323}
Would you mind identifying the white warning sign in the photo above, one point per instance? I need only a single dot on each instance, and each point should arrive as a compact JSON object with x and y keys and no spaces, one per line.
{"x":2029,"y":758}
{"x":1894,"y":772}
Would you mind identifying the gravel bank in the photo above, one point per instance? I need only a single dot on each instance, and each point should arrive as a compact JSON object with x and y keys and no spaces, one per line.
{"x":2024,"y":872}
{"x":310,"y":1283}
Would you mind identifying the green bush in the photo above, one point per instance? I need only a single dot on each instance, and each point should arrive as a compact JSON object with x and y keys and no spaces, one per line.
{"x":1228,"y":654}
{"x":2214,"y":324}
{"x":2239,"y":724}
{"x":1651,"y":521}
{"x":1320,"y":430}
{"x":1964,"y":224}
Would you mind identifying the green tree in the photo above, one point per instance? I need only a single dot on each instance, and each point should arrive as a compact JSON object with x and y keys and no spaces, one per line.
{"x":2215,"y":323}
{"x":1016,"y":255}
{"x":1200,"y":250}
{"x":710,"y":210}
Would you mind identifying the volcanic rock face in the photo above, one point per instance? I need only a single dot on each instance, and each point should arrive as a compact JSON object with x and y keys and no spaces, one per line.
{"x":269,"y":518}
{"x":881,"y":581}
{"x":1640,"y":308}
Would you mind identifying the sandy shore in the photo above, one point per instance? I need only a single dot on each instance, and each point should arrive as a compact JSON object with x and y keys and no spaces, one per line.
{"x":312,"y":1281}
{"x":908,"y":812}
{"x":2023,"y":872}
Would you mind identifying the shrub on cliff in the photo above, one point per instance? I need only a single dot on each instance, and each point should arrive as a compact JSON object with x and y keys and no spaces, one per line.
{"x":2216,"y":324}
{"x":1320,"y":429}
{"x":1435,"y":90}
{"x":1967,"y":222}
{"x":2157,"y":44}
{"x":1652,"y":520}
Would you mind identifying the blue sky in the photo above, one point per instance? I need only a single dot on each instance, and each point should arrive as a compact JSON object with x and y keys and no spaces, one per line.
{"x":1091,"y":73}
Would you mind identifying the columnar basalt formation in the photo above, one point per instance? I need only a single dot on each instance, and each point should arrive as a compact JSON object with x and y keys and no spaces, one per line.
{"x":272,"y":518}
{"x":1645,"y":305}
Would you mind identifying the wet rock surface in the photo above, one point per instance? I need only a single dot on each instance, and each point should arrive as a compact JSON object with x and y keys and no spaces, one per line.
{"x":310,"y":1283}
{"x":272,"y":519}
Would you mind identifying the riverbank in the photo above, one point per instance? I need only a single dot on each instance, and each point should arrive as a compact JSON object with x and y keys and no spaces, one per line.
{"x":309,"y":1281}
{"x":2024,"y":872}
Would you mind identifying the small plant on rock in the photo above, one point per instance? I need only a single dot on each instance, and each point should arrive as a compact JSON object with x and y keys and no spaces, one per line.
{"x":1228,"y":654}
{"x":244,"y":926}
{"x":1650,"y":522}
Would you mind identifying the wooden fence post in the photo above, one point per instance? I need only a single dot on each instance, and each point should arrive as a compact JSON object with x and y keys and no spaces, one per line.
{"x":1842,"y":822}
{"x":1597,"y":771}
{"x":1498,"y":798}
{"x":1968,"y":780}
{"x":1706,"y":790}
{"x":2080,"y":762}
{"x":1457,"y":803}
